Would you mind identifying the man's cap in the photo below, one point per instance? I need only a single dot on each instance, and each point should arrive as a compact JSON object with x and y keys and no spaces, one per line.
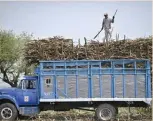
{"x":105,"y":14}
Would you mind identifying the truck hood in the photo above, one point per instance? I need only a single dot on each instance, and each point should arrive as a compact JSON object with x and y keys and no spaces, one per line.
{"x":8,"y":91}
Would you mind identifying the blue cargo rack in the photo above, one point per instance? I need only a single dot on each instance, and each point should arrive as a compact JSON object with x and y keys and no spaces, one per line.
{"x":55,"y":89}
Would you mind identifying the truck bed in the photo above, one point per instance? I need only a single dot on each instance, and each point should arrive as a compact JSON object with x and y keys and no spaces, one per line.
{"x":95,"y":80}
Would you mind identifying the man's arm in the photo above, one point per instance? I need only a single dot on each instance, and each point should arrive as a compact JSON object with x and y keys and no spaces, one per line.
{"x":102,"y":25}
{"x":113,"y":19}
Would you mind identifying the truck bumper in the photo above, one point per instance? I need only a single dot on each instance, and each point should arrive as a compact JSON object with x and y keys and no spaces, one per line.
{"x":29,"y":111}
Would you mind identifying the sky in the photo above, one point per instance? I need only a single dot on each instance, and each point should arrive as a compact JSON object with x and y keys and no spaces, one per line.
{"x":76,"y":20}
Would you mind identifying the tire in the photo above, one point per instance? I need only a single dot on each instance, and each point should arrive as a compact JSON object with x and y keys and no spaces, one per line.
{"x":105,"y":112}
{"x":11,"y":111}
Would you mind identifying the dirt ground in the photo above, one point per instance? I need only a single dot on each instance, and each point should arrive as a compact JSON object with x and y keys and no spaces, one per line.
{"x":137,"y":114}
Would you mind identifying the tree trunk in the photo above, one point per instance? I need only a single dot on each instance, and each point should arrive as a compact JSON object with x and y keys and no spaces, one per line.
{"x":12,"y":83}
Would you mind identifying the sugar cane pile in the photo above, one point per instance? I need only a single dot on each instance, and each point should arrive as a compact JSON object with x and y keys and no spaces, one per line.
{"x":58,"y":48}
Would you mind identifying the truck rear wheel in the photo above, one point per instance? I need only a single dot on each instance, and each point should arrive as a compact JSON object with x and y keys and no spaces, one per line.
{"x":105,"y":112}
{"x":8,"y":112}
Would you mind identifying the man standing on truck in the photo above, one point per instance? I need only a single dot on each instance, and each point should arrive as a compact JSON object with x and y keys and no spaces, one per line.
{"x":106,"y":25}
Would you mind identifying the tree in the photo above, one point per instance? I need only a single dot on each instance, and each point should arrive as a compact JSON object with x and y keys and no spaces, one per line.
{"x":12,"y":64}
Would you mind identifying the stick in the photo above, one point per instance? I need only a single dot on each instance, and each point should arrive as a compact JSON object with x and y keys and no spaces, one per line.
{"x":98,"y":33}
{"x":115,"y":12}
{"x":85,"y":40}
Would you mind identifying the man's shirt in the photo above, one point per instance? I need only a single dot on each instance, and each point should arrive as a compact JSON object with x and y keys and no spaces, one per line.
{"x":107,"y":23}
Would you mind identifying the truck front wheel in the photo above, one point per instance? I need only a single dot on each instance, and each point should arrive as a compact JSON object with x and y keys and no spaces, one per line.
{"x":8,"y":112}
{"x":105,"y":112}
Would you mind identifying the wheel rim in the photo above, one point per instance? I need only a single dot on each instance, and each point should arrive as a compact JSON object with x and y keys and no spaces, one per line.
{"x":6,"y":113}
{"x":105,"y":114}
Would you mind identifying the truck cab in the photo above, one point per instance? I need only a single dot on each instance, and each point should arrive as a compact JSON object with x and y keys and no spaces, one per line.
{"x":28,"y":91}
{"x":14,"y":101}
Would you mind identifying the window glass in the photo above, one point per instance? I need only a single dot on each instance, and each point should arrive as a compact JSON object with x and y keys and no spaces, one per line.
{"x":48,"y":81}
{"x":29,"y":84}
{"x":19,"y":85}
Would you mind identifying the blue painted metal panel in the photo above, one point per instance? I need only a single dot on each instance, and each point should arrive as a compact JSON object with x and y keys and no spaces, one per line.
{"x":113,"y":80}
{"x":54,"y":90}
{"x":41,"y":81}
{"x":100,"y":80}
{"x":89,"y":79}
{"x":123,"y":81}
{"x":91,"y":68}
{"x":135,"y":81}
{"x":29,"y":111}
{"x":65,"y":78}
{"x":77,"y":86}
{"x":38,"y":89}
{"x":148,"y":80}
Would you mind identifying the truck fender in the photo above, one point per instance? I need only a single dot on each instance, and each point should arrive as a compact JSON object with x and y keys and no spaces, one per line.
{"x":11,"y":99}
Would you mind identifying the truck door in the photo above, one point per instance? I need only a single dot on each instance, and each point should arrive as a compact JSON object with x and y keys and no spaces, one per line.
{"x":48,"y":87}
{"x":28,"y":95}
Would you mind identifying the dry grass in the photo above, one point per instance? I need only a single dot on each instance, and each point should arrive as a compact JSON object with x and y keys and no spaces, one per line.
{"x":137,"y":114}
{"x":64,"y":49}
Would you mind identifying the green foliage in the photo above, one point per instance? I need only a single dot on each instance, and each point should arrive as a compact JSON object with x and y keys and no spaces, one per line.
{"x":7,"y":46}
{"x":11,"y":55}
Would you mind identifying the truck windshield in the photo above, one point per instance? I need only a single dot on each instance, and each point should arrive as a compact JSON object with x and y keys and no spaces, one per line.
{"x":27,"y":84}
{"x":19,"y":85}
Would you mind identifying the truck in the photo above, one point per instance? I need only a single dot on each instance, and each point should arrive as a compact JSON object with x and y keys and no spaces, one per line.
{"x":97,"y":85}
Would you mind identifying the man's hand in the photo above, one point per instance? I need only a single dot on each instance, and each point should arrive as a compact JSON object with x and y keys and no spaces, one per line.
{"x":113,"y":19}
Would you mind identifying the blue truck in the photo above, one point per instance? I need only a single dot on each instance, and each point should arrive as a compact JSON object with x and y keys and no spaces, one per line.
{"x":103,"y":85}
